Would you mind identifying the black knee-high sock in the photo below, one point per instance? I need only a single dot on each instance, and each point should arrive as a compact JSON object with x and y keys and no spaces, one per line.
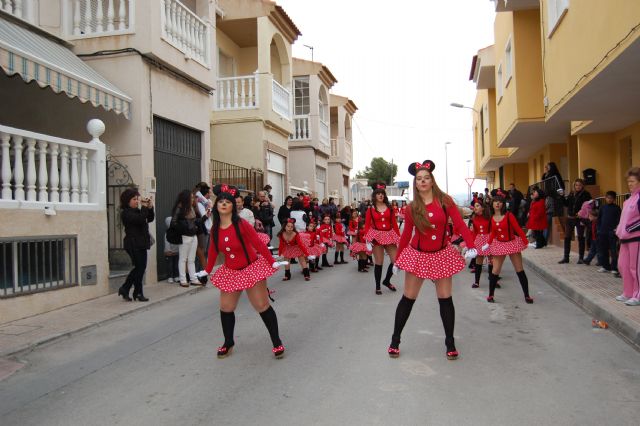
{"x":325,"y":262}
{"x":490,"y":268}
{"x":493,"y":279}
{"x":448,"y":316}
{"x":360,"y":267}
{"x":342,"y":256}
{"x":305,"y":272}
{"x":335,"y":258}
{"x":377,"y":274}
{"x":524,"y":283}
{"x":478,"y":273}
{"x":228,"y":320}
{"x":271,"y":321}
{"x":402,"y":315}
{"x":370,"y":260}
{"x":387,"y":278}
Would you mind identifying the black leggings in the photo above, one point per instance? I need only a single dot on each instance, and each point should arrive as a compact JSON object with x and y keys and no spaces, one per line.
{"x":139,"y":261}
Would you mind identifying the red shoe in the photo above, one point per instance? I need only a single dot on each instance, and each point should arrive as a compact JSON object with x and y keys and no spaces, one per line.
{"x":224,"y":351}
{"x":528,"y":299}
{"x":390,"y":286}
{"x":490,"y":299}
{"x":278,"y":351}
{"x":307,"y":278}
{"x":452,"y":355}
{"x":393,"y":352}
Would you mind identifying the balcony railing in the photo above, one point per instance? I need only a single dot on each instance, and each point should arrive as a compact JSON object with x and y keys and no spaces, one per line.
{"x":237,"y":93}
{"x":49,"y":171}
{"x":23,"y":9}
{"x":184,"y":30}
{"x":334,"y":148}
{"x":281,"y":100}
{"x":348,"y":152}
{"x":301,"y":129}
{"x":324,"y":133}
{"x":99,"y":18}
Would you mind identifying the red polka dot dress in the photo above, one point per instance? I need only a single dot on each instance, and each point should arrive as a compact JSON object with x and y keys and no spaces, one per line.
{"x":429,"y":254}
{"x":292,"y":248}
{"x":506,"y":236}
{"x":240,"y":270}
{"x":359,"y":246}
{"x":311,"y":241}
{"x":353,"y":227}
{"x":265,"y":238}
{"x":338,"y":235}
{"x":480,"y":230}
{"x":326,"y":234}
{"x":381,"y":227}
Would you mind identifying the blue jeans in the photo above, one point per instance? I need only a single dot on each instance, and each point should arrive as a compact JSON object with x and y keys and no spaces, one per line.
{"x":547,"y":231}
{"x":593,"y":252}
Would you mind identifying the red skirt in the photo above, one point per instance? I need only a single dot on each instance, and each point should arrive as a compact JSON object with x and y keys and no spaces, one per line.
{"x":383,"y":238}
{"x":431,"y":266}
{"x":314,"y":250}
{"x":357,"y":248}
{"x":327,"y":241}
{"x":265,"y":238}
{"x":291,"y":252}
{"x":229,"y":280}
{"x":340,"y":239}
{"x":352,"y":233}
{"x":481,"y":240}
{"x":500,"y":248}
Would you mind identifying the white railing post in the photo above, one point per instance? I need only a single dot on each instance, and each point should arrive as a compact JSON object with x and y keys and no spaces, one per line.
{"x":98,"y":184}
{"x":64,"y":175}
{"x":84,"y":177}
{"x":6,"y":167}
{"x":18,"y":172}
{"x":54,"y":176}
{"x":17,"y":4}
{"x":99,"y":17}
{"x":31,"y":169}
{"x":75,"y":179}
{"x":43,"y":177}
{"x":76,"y":17}
{"x":122,"y":14}
{"x":87,"y":16}
{"x":110,"y":16}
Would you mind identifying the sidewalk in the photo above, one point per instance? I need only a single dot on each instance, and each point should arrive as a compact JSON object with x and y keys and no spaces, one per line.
{"x":28,"y":333}
{"x":592,"y":291}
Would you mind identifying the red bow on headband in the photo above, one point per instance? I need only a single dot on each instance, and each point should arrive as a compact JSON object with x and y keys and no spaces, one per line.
{"x":291,"y":220}
{"x":423,"y":166}
{"x":225,"y":188}
{"x":381,"y":186}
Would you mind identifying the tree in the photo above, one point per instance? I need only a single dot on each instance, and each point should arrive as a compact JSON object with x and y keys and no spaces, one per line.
{"x":380,"y":170}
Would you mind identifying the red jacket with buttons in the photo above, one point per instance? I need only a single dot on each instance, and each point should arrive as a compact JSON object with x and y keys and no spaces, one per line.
{"x":295,"y":241}
{"x":353,"y":225}
{"x":537,"y":216}
{"x":382,"y":221}
{"x":339,"y":228}
{"x":480,"y":225}
{"x":325,"y":231}
{"x":506,"y":230}
{"x":436,"y":237}
{"x":230,"y":246}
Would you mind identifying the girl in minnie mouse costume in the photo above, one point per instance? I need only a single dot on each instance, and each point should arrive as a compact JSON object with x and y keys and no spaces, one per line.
{"x":326,"y":237}
{"x":340,"y":239}
{"x":359,"y":249}
{"x":247,"y":265}
{"x":428,"y":254}
{"x":292,"y":247}
{"x":382,"y":234}
{"x":480,"y":225}
{"x":506,"y":238}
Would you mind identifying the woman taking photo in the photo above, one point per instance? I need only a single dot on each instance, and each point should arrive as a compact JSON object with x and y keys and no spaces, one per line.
{"x":136,"y":215}
{"x":428,"y":254}
{"x":247,"y":265}
{"x":382,"y":234}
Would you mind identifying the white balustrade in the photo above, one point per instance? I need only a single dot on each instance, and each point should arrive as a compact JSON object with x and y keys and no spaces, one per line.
{"x":97,"y":18}
{"x":348,"y":148}
{"x":23,"y":9}
{"x":184,"y":30}
{"x":334,"y":147}
{"x":68,"y":174}
{"x":281,"y":100}
{"x":301,"y":129}
{"x":237,"y":93}
{"x":324,"y":133}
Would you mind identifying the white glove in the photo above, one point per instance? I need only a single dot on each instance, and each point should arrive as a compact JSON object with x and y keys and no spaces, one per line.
{"x":484,"y":248}
{"x":471,"y":254}
{"x":276,"y":265}
{"x":323,"y":245}
{"x":394,"y":270}
{"x":201,"y":274}
{"x":312,"y":257}
{"x":369,"y":246}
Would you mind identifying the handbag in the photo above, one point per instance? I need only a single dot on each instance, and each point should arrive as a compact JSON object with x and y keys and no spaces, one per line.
{"x":173,"y":236}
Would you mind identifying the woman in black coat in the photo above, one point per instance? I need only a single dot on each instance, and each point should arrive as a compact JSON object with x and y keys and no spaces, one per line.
{"x":285,"y":210}
{"x":135,"y":214}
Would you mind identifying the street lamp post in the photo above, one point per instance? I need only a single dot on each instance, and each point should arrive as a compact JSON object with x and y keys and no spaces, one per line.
{"x":446,"y":166}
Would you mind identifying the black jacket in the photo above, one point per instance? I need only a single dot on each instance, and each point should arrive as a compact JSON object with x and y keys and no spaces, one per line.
{"x":283,"y":214}
{"x":186,"y":227}
{"x":265,"y":213}
{"x":575,"y":200}
{"x":136,"y":227}
{"x":608,"y":218}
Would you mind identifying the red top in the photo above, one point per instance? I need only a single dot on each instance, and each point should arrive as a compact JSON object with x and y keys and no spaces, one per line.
{"x":506,"y":230}
{"x":435,"y":238}
{"x":229,"y":244}
{"x":395,"y":210}
{"x":537,"y":216}
{"x":360,"y":237}
{"x":339,"y":228}
{"x":384,"y":221}
{"x":480,"y":225}
{"x":313,"y":236}
{"x":325,"y":231}
{"x":295,"y":241}
{"x":353,"y":224}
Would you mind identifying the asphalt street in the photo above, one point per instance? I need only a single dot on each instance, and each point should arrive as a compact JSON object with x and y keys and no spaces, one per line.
{"x":520,"y":364}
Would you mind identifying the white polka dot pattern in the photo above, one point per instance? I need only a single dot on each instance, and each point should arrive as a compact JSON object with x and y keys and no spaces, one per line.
{"x":505,"y":248}
{"x":264,"y":238}
{"x":229,"y":280}
{"x":481,"y":240}
{"x":292,"y":251}
{"x":357,"y":248}
{"x":432,"y":266}
{"x":383,"y":238}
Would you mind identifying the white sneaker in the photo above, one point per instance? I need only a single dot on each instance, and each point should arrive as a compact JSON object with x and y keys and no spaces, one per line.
{"x":603,"y":270}
{"x":622,"y":298}
{"x":613,"y":271}
{"x":532,"y":245}
{"x":632,"y":302}
{"x":170,"y":280}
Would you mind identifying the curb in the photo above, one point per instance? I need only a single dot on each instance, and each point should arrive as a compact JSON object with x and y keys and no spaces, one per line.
{"x":619,"y":325}
{"x":21,"y":350}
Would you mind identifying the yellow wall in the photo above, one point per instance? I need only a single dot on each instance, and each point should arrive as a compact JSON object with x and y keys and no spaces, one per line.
{"x":506,"y":105}
{"x":518,"y":173}
{"x":582,"y":38}
{"x":551,"y":152}
{"x":595,"y":151}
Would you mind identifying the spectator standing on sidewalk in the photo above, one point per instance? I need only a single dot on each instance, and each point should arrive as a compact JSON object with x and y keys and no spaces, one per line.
{"x":593,"y":237}
{"x":171,"y":252}
{"x":549,"y":210}
{"x":204,"y":204}
{"x":537,"y":218}
{"x":188,"y":224}
{"x":515,"y":198}
{"x":608,"y":219}
{"x":285,"y":210}
{"x":574,"y":202}
{"x":628,"y":231}
{"x":265,"y":213}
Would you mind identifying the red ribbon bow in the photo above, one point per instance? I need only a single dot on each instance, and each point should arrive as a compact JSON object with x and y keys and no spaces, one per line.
{"x":225,"y":188}
{"x":423,"y":166}
{"x":381,"y":186}
{"x":291,"y":220}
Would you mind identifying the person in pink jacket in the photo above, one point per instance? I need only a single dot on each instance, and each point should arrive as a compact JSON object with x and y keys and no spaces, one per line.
{"x":628,"y":231}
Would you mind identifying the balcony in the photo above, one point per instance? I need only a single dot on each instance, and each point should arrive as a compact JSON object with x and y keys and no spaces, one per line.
{"x":22,"y":9}
{"x":185,"y":31}
{"x":53,"y":173}
{"x":324,"y":133}
{"x":280,"y":100}
{"x":98,"y":18}
{"x":235,"y":93}
{"x":301,"y":131}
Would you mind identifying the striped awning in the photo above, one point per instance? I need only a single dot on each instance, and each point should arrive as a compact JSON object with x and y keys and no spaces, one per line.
{"x":38,"y":58}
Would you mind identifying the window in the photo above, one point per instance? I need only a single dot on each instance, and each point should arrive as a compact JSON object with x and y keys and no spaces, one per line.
{"x":301,"y":96}
{"x":508,"y":63}
{"x":556,"y":9}
{"x":499,"y":82}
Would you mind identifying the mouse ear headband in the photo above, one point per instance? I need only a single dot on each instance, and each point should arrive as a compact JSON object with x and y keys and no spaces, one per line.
{"x":425,"y":165}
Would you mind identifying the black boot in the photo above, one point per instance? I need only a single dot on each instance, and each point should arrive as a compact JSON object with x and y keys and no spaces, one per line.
{"x":492,"y":287}
{"x":478,"y":273}
{"x":335,"y":258}
{"x":377,"y":274}
{"x":402,"y":315}
{"x":524,"y":283}
{"x":228,"y":320}
{"x":325,"y":262}
{"x":342,"y":257}
{"x":270,"y":320}
{"x":287,"y":275}
{"x":318,"y":268}
{"x":124,"y":292}
{"x":581,"y":248}
{"x":369,"y":260}
{"x":387,"y":278}
{"x":497,"y":277}
{"x":448,"y":316}
{"x":306,"y":274}
{"x":361,"y":263}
